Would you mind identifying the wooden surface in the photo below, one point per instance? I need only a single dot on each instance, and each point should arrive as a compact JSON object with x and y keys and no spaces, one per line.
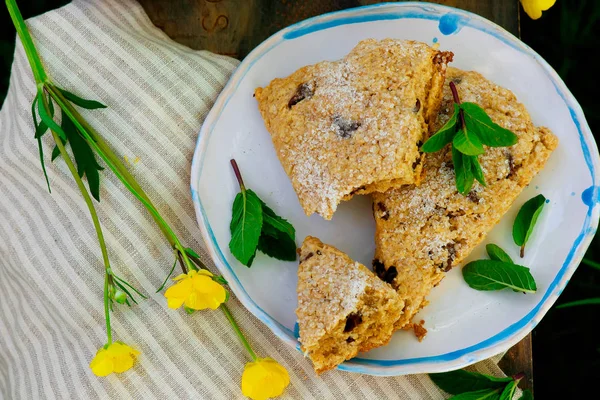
{"x":235,"y":27}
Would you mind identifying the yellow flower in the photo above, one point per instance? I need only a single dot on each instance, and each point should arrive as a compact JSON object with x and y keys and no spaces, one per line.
{"x":534,"y":8}
{"x":196,"y":290}
{"x":264,"y":378}
{"x":116,"y":357}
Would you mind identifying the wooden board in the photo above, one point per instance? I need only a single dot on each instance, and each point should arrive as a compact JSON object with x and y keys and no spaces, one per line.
{"x":235,"y":27}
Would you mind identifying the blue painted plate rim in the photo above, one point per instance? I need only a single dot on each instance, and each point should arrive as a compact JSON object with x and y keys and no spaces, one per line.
{"x":418,"y":10}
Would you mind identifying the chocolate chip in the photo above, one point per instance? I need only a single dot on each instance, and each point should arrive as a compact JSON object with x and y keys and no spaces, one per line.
{"x":350,"y":339}
{"x":352,"y":321}
{"x":319,"y":252}
{"x":416,"y":163}
{"x":417,"y":106}
{"x":383,"y":274}
{"x":345,"y":127}
{"x":473,"y":197}
{"x":385,"y":215}
{"x":451,"y":256}
{"x":511,"y":165}
{"x":303,"y":91}
{"x":309,"y":255}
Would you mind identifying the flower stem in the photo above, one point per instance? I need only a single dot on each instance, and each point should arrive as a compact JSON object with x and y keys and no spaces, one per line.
{"x":238,"y":174}
{"x":95,"y":220}
{"x":32,"y":55}
{"x":238,"y":332}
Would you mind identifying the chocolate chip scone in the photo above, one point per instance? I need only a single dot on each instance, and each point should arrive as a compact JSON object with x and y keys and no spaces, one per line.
{"x":354,"y":126}
{"x":343,"y":308}
{"x":421,"y":232}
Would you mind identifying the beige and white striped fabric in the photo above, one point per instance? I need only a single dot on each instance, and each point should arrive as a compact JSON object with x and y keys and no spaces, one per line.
{"x":51,"y":275}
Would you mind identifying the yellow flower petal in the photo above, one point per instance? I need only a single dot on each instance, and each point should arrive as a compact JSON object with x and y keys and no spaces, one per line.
{"x":117,"y":357}
{"x":264,"y":378}
{"x":178,"y":293}
{"x":534,"y":8}
{"x":102,"y":364}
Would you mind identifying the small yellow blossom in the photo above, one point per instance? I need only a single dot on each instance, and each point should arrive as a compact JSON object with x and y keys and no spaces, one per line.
{"x":116,"y":357}
{"x":534,"y":8}
{"x":264,"y":378}
{"x":195,"y":290}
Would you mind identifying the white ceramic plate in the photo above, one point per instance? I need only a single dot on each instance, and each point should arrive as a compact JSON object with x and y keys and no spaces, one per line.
{"x":465,"y":326}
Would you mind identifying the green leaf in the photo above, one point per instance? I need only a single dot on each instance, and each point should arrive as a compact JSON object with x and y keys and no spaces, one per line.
{"x":84,"y":157}
{"x":476,"y":170}
{"x":526,"y":219}
{"x":56,"y":150}
{"x":481,"y":125}
{"x":47,"y":119}
{"x":278,"y":223}
{"x":527,"y":395}
{"x":191,"y":252}
{"x":467,"y":143}
{"x":83,"y":103}
{"x":168,"y":276}
{"x":39,"y":140}
{"x":443,"y":136}
{"x":461,"y":381}
{"x":246,"y":225}
{"x":280,"y":246}
{"x":496,"y":253}
{"x":462,"y":170}
{"x":584,"y":302}
{"x":484,"y":394}
{"x":509,"y":391}
{"x":498,"y":275}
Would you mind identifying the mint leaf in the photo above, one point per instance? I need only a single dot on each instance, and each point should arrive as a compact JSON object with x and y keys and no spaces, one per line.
{"x":461,"y":381}
{"x":484,"y":394}
{"x":246,"y":224}
{"x":462,"y":169}
{"x":480,"y":124}
{"x":279,"y":246}
{"x":527,"y":395}
{"x":443,"y":136}
{"x":509,"y":391}
{"x":496,"y":253}
{"x":467,"y":143}
{"x":83,"y":103}
{"x":476,"y":170}
{"x":498,"y":275}
{"x":278,"y":223}
{"x":526,"y":219}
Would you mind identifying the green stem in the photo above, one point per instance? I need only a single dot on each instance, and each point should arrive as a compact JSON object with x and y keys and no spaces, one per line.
{"x":32,"y":55}
{"x":238,"y":332}
{"x":591,"y":263}
{"x":95,"y":220}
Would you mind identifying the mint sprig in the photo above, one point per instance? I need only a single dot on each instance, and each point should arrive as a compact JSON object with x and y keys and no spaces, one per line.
{"x":464,"y":385}
{"x":468,"y":129}
{"x":255,"y":226}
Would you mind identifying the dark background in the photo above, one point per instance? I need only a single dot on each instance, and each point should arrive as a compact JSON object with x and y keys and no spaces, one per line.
{"x":566,"y":346}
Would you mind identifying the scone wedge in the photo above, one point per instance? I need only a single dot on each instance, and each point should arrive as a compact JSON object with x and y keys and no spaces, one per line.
{"x":354,"y":126}
{"x":422,"y":231}
{"x":343,"y":308}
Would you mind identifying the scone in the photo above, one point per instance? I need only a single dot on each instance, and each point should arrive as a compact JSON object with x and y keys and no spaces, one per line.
{"x":423,"y":231}
{"x":354,"y":126}
{"x":343,"y":308}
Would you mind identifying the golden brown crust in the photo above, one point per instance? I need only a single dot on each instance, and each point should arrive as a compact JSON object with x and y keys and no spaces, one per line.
{"x":343,"y":308}
{"x":354,"y":126}
{"x":423,"y":231}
